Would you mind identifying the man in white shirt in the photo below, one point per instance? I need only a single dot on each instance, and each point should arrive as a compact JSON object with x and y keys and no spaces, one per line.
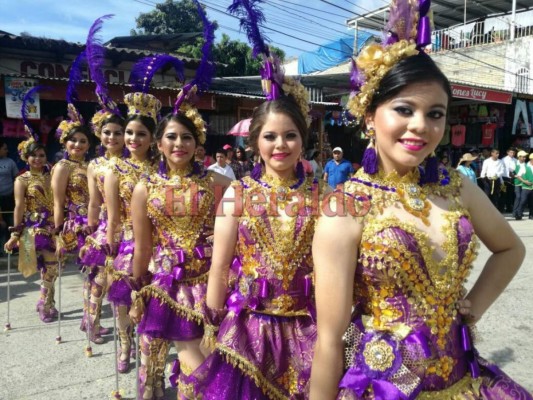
{"x":221,"y":166}
{"x":492,"y":174}
{"x":509,"y":161}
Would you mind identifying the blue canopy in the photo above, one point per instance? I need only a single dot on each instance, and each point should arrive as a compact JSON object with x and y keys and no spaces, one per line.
{"x":331,"y":54}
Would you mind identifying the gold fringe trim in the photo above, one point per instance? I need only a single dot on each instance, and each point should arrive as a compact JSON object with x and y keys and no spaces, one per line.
{"x":251,"y":371}
{"x":161,"y":295}
{"x":465,"y":389}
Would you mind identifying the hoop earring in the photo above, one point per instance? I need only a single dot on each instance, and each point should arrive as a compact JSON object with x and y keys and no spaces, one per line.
{"x":370,"y":156}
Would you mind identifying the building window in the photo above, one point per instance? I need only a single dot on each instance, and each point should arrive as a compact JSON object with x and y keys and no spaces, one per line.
{"x":522,"y":80}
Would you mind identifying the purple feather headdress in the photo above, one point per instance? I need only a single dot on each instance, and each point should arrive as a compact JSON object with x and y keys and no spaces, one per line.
{"x":33,"y":136}
{"x":206,"y":68}
{"x":144,"y":70}
{"x":250,"y":17}
{"x":95,"y":51}
{"x":74,"y":116}
{"x":271,"y":73}
{"x":26,"y":101}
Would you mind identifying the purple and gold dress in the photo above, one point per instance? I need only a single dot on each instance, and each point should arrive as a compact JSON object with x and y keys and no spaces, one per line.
{"x":76,"y":203}
{"x":264,"y":347}
{"x":95,"y":255}
{"x":128,"y":172}
{"x":181,"y":209}
{"x":406,"y":339}
{"x":36,"y":243}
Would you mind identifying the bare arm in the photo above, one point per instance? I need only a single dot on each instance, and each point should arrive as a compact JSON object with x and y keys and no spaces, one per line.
{"x":60,"y":178}
{"x":142,"y":231}
{"x":220,"y":184}
{"x":335,"y":245}
{"x":507,"y":249}
{"x":226,"y":225}
{"x":95,"y":198}
{"x":112,"y":197}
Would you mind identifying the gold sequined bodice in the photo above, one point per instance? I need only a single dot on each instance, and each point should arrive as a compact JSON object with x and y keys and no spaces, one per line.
{"x":276,"y":249}
{"x":128,"y":172}
{"x":38,"y":198}
{"x":403,"y":276}
{"x":181,"y":209}
{"x":100,"y":167}
{"x":77,"y":192}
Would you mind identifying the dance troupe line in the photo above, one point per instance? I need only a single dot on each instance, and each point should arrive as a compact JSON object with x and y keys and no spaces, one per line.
{"x":267,"y":298}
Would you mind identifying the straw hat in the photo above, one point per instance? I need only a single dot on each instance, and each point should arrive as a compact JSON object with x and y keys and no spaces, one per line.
{"x":521,"y":153}
{"x":467,"y":157}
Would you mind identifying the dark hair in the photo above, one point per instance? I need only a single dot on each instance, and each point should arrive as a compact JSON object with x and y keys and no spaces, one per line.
{"x":180,"y":119}
{"x":113,"y":119}
{"x":284,"y":105}
{"x":416,"y":69}
{"x":146,"y":121}
{"x":243,"y":154}
{"x":222,"y":151}
{"x":79,"y":129}
{"x":33,"y":148}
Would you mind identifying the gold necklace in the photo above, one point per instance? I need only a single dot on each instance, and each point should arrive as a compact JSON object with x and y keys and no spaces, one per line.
{"x":281,"y":187}
{"x":387,"y":189}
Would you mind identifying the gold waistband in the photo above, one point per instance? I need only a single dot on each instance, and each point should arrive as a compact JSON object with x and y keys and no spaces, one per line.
{"x":465,"y":388}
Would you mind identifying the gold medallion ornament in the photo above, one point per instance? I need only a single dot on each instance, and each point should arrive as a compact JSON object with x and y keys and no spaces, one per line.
{"x":379,"y":355}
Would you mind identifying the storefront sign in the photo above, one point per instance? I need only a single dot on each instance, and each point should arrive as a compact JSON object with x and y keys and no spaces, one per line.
{"x":486,"y":95}
{"x":15,"y":89}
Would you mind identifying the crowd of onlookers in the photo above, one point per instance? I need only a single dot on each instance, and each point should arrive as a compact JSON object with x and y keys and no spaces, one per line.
{"x":507,"y":181}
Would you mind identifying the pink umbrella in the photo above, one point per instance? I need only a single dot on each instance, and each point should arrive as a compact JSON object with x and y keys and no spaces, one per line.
{"x":241,"y":128}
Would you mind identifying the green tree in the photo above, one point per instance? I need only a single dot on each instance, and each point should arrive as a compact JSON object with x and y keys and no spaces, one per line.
{"x":169,"y":17}
{"x":182,"y":17}
{"x":237,"y":57}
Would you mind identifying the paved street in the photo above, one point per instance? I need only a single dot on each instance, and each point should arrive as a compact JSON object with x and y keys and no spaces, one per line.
{"x":34,"y":367}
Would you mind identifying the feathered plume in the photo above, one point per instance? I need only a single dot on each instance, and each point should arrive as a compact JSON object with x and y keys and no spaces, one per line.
{"x":206,"y":69}
{"x":144,"y":70}
{"x":401,"y":18}
{"x":251,"y":16}
{"x":75,"y":77}
{"x":357,"y":78}
{"x":95,"y":57}
{"x":28,"y":98}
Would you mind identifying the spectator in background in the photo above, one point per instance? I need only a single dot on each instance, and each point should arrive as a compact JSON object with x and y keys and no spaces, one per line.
{"x":8,"y":173}
{"x":509,"y":161}
{"x":444,"y":161}
{"x":221,"y":165}
{"x":338,"y":170}
{"x":315,"y":163}
{"x":519,"y":183}
{"x":464,"y":167}
{"x":492,"y":175}
{"x":245,"y":165}
{"x":201,"y":157}
{"x":526,"y":180}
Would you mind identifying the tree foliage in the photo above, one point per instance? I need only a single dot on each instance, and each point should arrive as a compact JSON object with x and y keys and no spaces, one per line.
{"x":182,"y":17}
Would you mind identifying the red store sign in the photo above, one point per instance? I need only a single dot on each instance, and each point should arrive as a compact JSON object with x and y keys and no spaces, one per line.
{"x":489,"y":96}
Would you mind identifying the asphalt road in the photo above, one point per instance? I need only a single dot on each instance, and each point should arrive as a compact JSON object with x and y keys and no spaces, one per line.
{"x":34,"y":367}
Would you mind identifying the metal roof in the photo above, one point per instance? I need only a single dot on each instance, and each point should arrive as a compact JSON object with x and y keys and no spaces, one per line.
{"x":447,"y":13}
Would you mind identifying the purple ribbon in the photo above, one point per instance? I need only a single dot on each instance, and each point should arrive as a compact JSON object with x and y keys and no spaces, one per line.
{"x":177,"y":273}
{"x":180,"y":255}
{"x":174,"y":378}
{"x":236,"y":265}
{"x":235,"y":302}
{"x":466,"y":342}
{"x":164,"y":279}
{"x":181,"y":99}
{"x":80,"y":220}
{"x":199,"y":252}
{"x":263,"y":288}
{"x":423,"y":38}
{"x":356,"y":380}
{"x":126,"y":248}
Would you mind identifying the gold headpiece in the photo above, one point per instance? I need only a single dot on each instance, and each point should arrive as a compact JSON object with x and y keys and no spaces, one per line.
{"x":409,"y":31}
{"x":66,"y":126}
{"x":299,"y":93}
{"x":191,"y":112}
{"x":375,"y":61}
{"x":23,"y":148}
{"x":144,"y":104}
